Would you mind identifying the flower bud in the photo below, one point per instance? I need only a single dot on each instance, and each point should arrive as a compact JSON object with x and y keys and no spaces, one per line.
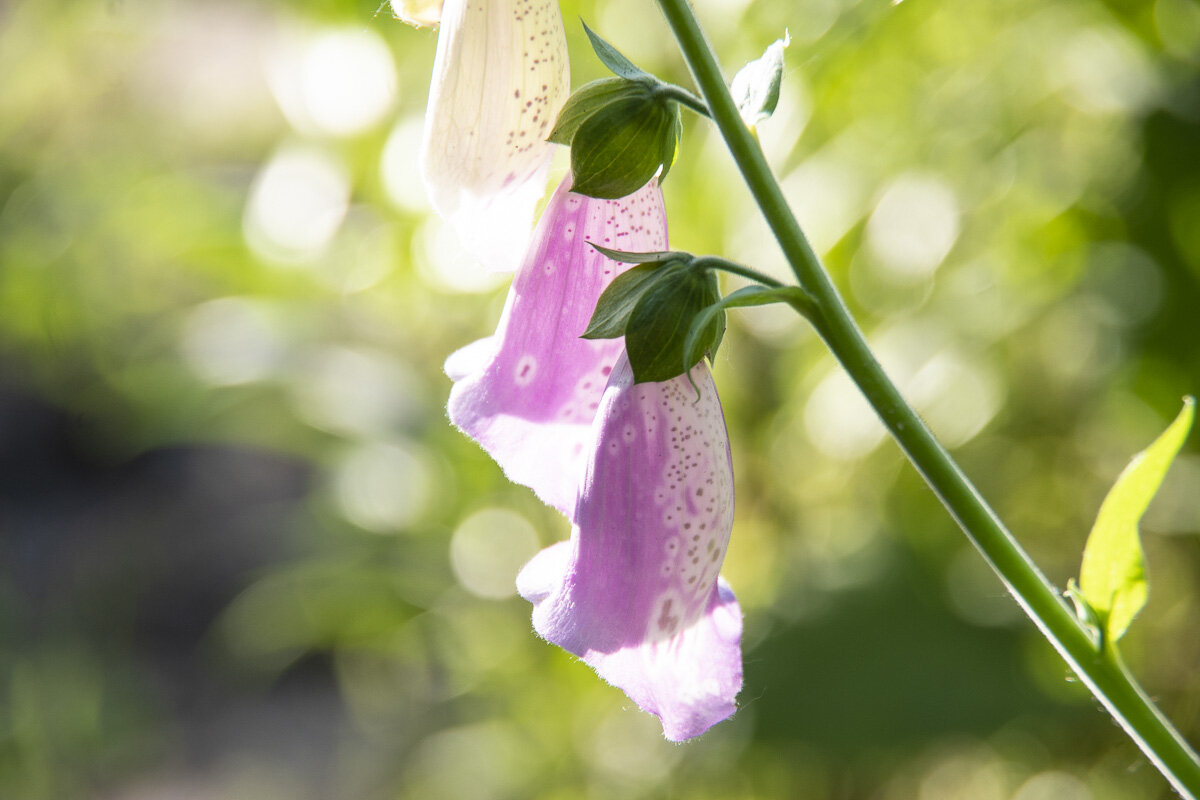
{"x":653,"y":306}
{"x":621,"y":130}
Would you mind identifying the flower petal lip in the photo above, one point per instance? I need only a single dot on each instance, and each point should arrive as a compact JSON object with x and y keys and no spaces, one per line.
{"x":529,"y":393}
{"x":500,"y":77}
{"x":636,"y":591}
{"x":420,"y":13}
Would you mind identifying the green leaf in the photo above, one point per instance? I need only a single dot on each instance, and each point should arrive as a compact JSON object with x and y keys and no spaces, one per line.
{"x":755,"y":88}
{"x":618,"y":149}
{"x":618,"y":301}
{"x":659,"y":324}
{"x":1112,"y":577}
{"x":589,"y":99}
{"x":611,"y":58}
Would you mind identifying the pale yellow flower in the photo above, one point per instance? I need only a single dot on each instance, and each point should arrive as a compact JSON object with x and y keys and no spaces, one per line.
{"x":422,"y":13}
{"x":499,"y":80}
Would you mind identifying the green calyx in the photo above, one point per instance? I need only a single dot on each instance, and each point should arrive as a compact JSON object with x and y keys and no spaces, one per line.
{"x":670,"y":310}
{"x":653,"y":306}
{"x":621,"y":130}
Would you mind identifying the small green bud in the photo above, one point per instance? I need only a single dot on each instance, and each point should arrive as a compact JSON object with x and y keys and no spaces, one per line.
{"x":658,"y":328}
{"x":621,"y":130}
{"x":589,"y":99}
{"x":654,"y":306}
{"x":620,"y":147}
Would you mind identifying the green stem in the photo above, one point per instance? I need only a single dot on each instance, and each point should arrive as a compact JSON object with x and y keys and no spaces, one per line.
{"x":1104,"y":676}
{"x":797,"y":298}
{"x":734,"y":268}
{"x":683,"y":97}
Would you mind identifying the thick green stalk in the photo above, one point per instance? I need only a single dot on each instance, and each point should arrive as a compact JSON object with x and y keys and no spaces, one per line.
{"x":1100,"y":672}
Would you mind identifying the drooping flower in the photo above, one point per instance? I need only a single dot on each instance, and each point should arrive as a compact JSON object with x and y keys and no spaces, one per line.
{"x":500,"y":77}
{"x":643,"y":471}
{"x":529,"y":393}
{"x":636,"y":591}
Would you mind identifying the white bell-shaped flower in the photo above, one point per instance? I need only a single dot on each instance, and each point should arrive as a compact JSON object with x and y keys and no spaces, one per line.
{"x":499,"y":79}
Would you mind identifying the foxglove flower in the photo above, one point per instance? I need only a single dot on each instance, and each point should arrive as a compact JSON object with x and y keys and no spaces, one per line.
{"x":529,"y":393}
{"x":636,"y":591}
{"x":500,"y":77}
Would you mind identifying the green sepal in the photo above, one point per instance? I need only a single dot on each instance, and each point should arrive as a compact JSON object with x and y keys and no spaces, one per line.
{"x":618,"y":301}
{"x":617,"y":149}
{"x":587,"y":100}
{"x":695,"y":345}
{"x":612,"y":58}
{"x":659,"y":325}
{"x":755,"y":88}
{"x":621,"y":130}
{"x":1112,"y":577}
{"x":670,"y":142}
{"x":641,"y":258}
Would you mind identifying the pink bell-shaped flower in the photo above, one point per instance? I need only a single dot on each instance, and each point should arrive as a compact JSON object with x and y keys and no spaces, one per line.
{"x":529,"y":393}
{"x":636,"y":591}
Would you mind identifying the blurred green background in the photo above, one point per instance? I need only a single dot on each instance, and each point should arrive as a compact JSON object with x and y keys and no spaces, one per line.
{"x":243,"y":554}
